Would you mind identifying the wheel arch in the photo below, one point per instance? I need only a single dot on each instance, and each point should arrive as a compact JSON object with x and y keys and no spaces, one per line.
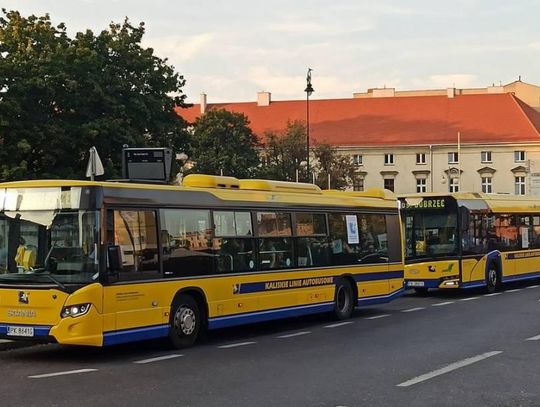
{"x":350,"y":279}
{"x":199,"y":296}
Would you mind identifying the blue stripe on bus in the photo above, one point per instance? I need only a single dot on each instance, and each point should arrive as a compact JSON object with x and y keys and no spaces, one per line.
{"x":248,"y":288}
{"x":523,"y":276}
{"x":473,"y":284}
{"x":379,"y":299}
{"x":383,"y":275}
{"x":523,"y":255}
{"x":39,"y":330}
{"x":268,"y":315}
{"x":136,"y":334}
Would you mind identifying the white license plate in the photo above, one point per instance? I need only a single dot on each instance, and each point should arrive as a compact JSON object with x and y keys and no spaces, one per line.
{"x":20,"y":331}
{"x":415,"y":283}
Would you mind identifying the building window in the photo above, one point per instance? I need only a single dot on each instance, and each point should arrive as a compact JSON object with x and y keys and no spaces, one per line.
{"x":389,"y":184}
{"x":453,"y":157}
{"x":357,"y":160}
{"x":454,"y":184}
{"x":487,"y":185}
{"x":519,"y":184}
{"x":519,"y":156}
{"x":485,"y":156}
{"x":421,"y":185}
{"x":358,"y":184}
{"x":420,"y":158}
{"x":389,"y":159}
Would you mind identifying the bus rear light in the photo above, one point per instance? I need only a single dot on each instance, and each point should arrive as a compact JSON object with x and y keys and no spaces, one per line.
{"x":75,"y":310}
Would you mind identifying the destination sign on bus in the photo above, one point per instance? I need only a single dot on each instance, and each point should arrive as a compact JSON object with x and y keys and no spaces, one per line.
{"x":425,"y":203}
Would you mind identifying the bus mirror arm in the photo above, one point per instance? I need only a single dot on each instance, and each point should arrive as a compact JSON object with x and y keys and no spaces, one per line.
{"x":114,"y":257}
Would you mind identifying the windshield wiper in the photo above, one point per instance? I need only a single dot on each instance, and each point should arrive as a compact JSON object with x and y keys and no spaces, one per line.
{"x":44,"y":272}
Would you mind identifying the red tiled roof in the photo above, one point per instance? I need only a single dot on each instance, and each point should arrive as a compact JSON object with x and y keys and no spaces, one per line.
{"x":484,"y":118}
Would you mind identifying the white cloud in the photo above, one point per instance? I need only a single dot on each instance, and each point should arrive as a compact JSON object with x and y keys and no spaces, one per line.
{"x":293,"y":85}
{"x":181,"y":49}
{"x":296,"y":27}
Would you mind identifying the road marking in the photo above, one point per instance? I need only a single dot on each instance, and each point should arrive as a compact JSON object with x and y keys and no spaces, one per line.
{"x":235,"y":345}
{"x":338,"y":324}
{"x":514,"y":290}
{"x":533,"y":286}
{"x":157,"y":359}
{"x":492,"y":294}
{"x":41,"y":376}
{"x":294,"y":334}
{"x":469,"y":299}
{"x":534,"y":338}
{"x":379,"y":316}
{"x":451,"y":367}
{"x":439,"y":304}
{"x":413,"y":309}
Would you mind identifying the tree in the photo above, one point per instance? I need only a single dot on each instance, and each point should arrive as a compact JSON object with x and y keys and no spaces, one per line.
{"x":223,"y":142}
{"x":334,"y":166}
{"x":285,"y":154}
{"x":61,"y":95}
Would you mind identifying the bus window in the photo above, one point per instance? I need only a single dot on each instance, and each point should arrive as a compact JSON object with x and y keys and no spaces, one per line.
{"x":373,"y":239}
{"x":275,"y":240}
{"x":234,"y":242}
{"x":503,"y":234}
{"x":311,"y":242}
{"x":186,"y":241}
{"x":345,"y":245}
{"x":136,"y":234}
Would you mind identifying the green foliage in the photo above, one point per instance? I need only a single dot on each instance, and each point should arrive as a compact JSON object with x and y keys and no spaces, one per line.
{"x":223,"y":141}
{"x":286,"y":153}
{"x":330,"y":162}
{"x":61,"y":95}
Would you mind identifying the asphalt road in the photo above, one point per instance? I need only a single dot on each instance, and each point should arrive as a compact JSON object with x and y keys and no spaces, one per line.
{"x":448,"y":349}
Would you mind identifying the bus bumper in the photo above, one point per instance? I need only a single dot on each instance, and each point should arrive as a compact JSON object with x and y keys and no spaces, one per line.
{"x":444,"y":283}
{"x":84,"y":330}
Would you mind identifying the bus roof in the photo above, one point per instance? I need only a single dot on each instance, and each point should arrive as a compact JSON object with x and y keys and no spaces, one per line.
{"x":232,"y":191}
{"x":497,"y":203}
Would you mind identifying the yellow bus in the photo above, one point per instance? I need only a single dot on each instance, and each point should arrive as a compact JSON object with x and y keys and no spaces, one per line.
{"x":466,"y":240}
{"x":102,"y":263}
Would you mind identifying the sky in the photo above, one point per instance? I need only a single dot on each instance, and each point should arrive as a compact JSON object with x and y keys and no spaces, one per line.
{"x":233,"y":49}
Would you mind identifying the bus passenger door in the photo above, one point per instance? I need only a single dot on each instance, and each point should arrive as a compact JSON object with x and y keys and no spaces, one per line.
{"x":132,"y":300}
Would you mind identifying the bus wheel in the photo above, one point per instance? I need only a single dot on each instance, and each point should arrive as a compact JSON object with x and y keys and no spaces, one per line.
{"x":423,"y":291}
{"x":343,"y":300}
{"x":493,"y":281}
{"x":185,"y":321}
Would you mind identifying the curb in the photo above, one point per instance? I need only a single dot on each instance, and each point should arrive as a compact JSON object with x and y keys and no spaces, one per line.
{"x":6,"y":344}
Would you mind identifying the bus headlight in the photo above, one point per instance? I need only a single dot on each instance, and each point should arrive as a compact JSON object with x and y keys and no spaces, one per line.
{"x":75,"y":310}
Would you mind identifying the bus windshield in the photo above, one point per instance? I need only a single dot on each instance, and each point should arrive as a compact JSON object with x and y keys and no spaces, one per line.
{"x":46,"y":238}
{"x":430,"y":234}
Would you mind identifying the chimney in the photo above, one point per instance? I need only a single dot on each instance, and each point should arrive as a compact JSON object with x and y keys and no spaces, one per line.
{"x":383,"y":93}
{"x":263,"y":98}
{"x":203,"y":103}
{"x":450,"y":92}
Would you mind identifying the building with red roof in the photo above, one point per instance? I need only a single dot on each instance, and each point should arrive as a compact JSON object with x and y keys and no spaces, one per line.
{"x":408,"y":141}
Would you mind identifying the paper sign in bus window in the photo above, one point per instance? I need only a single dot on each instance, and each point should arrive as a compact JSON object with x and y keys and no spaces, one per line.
{"x":524,"y":237}
{"x":352,"y":229}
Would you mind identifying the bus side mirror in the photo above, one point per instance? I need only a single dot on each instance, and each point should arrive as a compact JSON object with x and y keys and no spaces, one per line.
{"x":114,"y":257}
{"x":464,"y":218}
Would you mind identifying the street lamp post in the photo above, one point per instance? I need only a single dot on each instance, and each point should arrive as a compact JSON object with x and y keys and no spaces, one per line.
{"x":309,"y":90}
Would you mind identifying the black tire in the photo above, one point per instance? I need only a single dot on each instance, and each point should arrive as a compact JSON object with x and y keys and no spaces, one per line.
{"x":343,"y":300}
{"x":493,"y":279}
{"x":422,"y":291}
{"x":186,"y":321}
